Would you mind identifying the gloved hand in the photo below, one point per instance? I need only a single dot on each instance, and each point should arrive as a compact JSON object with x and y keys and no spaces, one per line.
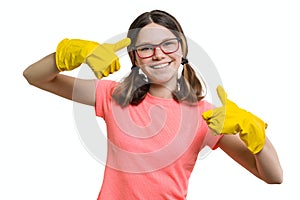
{"x":230,"y":119}
{"x":101,"y":58}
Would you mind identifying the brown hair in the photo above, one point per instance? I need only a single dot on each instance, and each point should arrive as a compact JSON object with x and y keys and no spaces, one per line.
{"x":133,"y":89}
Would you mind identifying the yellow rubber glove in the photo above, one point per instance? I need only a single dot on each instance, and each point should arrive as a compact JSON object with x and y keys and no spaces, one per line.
{"x":230,"y":119}
{"x":101,"y":58}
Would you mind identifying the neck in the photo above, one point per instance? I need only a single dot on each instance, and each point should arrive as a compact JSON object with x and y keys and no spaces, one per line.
{"x":161,"y":91}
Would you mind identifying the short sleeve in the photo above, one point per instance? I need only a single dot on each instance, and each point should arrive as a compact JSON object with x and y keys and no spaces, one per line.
{"x":212,"y":140}
{"x":104,"y":89}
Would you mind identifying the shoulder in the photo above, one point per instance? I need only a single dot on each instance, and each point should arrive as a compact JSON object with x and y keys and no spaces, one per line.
{"x":106,"y":86}
{"x":204,"y":105}
{"x":107,"y":83}
{"x":104,"y":89}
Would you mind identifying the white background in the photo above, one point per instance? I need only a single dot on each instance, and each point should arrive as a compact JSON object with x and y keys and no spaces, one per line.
{"x":255,"y":46}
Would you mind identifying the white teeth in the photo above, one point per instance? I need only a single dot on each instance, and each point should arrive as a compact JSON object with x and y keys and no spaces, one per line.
{"x":160,"y":66}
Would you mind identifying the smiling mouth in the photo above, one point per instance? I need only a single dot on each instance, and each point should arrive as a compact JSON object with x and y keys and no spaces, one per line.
{"x":160,"y":66}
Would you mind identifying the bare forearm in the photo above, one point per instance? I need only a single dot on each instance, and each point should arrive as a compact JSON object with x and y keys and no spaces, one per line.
{"x":265,"y":164}
{"x":268,"y":165}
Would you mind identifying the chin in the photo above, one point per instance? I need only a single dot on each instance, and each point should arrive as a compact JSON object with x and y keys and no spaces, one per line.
{"x":162,"y":80}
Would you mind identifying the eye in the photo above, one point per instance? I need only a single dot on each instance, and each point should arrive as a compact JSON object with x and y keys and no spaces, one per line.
{"x":145,"y":48}
{"x":170,"y":46}
{"x":168,"y":43}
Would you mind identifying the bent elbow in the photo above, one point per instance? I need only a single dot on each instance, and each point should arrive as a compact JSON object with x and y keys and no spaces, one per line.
{"x":276,"y":179}
{"x":30,"y":77}
{"x":279,"y":181}
{"x":26,"y":75}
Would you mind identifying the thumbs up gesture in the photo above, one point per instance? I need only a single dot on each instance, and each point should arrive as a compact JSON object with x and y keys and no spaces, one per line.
{"x":230,"y":119}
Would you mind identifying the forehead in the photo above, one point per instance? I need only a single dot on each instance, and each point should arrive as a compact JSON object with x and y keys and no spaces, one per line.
{"x":154,"y":33}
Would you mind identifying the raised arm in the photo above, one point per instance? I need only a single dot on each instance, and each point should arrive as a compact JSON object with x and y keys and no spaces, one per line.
{"x":70,"y":54}
{"x":45,"y":75}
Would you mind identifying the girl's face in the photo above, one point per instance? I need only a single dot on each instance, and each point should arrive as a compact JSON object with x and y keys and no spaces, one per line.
{"x":158,"y":54}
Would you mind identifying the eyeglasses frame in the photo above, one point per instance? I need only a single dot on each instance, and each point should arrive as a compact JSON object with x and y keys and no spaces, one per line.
{"x":157,"y":45}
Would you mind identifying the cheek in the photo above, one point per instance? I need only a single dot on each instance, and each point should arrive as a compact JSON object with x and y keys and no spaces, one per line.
{"x":143,"y":62}
{"x":177,"y":57}
{"x":179,"y":52}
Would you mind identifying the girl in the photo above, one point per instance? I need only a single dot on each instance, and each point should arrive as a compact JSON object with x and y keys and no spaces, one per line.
{"x":157,"y":121}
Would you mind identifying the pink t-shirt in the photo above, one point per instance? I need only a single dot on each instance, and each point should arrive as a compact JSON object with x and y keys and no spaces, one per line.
{"x":152,"y":147}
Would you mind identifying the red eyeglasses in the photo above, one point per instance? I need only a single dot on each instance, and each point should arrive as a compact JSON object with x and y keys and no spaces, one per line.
{"x":148,"y":50}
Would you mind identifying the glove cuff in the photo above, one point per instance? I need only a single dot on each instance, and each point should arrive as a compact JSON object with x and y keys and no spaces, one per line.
{"x":70,"y":54}
{"x":253,"y":133}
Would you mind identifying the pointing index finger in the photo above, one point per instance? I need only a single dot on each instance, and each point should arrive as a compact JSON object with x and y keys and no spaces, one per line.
{"x":122,"y":44}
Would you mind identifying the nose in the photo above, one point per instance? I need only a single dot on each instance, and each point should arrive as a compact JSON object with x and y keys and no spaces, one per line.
{"x":158,"y":53}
